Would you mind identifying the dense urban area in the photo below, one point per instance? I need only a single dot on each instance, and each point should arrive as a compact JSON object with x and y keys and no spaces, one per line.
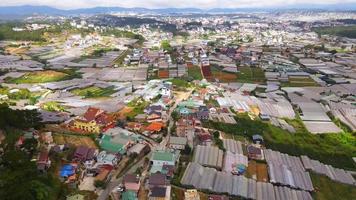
{"x":178,"y":106}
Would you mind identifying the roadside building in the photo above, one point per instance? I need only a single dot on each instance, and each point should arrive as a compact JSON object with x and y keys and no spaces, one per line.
{"x":177,"y":143}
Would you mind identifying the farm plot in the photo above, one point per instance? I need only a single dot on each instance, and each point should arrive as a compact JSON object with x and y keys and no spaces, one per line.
{"x":43,"y":77}
{"x":257,"y":171}
{"x":94,"y":92}
{"x":250,"y":75}
{"x":74,"y":140}
{"x":299,"y":82}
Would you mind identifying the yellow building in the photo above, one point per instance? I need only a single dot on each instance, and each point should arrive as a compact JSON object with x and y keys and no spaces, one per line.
{"x":90,"y":127}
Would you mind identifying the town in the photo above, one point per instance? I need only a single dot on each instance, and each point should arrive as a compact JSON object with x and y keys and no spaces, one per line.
{"x":179,"y":106}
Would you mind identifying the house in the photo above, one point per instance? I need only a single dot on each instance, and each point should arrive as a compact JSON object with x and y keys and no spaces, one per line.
{"x":83,"y":154}
{"x":103,"y":175}
{"x":43,"y":161}
{"x":139,"y":149}
{"x":257,"y":139}
{"x":117,"y":140}
{"x":203,"y":114}
{"x":129,"y":195}
{"x":185,"y":127}
{"x":93,"y":121}
{"x":67,"y":170}
{"x":255,"y":152}
{"x":105,"y":158}
{"x":131,"y":182}
{"x":160,"y":193}
{"x":177,"y":143}
{"x":155,"y":127}
{"x":153,"y":108}
{"x":160,"y":158}
{"x":191,"y":194}
{"x":157,"y":180}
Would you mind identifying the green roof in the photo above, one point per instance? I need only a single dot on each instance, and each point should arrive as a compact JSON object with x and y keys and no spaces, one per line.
{"x":109,"y":146}
{"x":163,"y":156}
{"x":129,"y":195}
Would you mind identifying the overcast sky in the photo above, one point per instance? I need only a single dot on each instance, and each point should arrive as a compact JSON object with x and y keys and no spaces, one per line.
{"x":69,"y":4}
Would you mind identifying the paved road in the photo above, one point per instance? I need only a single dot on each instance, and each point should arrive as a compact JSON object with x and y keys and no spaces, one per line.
{"x":115,"y":182}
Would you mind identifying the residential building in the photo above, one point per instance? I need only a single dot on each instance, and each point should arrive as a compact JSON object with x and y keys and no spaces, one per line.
{"x":93,"y":121}
{"x":177,"y":143}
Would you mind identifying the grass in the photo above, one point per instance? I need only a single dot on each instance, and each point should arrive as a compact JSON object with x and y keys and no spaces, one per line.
{"x":326,"y":189}
{"x":300,"y":82}
{"x":94,"y":92}
{"x":334,"y":149}
{"x":44,"y":76}
{"x":195,"y":73}
{"x":250,"y":75}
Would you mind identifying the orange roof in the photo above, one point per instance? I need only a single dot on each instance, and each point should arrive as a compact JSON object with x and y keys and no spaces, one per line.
{"x":155,"y":126}
{"x":163,"y":74}
{"x":92,"y":113}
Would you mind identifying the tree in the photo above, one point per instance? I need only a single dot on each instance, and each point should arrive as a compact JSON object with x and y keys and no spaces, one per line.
{"x":165,"y":45}
{"x":187,"y":150}
{"x":99,"y":184}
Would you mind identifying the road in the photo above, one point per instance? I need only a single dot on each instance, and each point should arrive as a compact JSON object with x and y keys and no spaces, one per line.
{"x":114,"y":182}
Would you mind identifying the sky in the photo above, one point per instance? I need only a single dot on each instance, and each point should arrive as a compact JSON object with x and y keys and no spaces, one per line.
{"x":204,"y":4}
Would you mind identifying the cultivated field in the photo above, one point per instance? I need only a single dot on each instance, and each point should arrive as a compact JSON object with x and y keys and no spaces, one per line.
{"x":250,"y":75}
{"x":40,"y":77}
{"x":93,"y":92}
{"x":300,"y":82}
{"x":257,"y":171}
{"x":74,"y":140}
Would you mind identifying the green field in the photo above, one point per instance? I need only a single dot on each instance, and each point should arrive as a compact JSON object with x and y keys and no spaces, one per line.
{"x":250,"y":75}
{"x":299,"y":82}
{"x":195,"y":73}
{"x":326,"y":189}
{"x":94,"y":92}
{"x":52,"y":106}
{"x":44,"y":76}
{"x":343,"y":31}
{"x":334,"y":149}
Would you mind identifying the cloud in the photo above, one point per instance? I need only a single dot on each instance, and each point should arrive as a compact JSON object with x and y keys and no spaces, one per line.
{"x":70,"y":4}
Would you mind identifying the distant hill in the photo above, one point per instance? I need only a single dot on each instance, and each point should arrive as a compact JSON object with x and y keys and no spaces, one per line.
{"x":29,"y":10}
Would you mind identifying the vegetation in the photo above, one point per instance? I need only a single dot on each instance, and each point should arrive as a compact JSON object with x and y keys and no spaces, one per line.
{"x":326,"y":189}
{"x":223,"y":76}
{"x":300,"y":82}
{"x":18,"y":118}
{"x":218,"y":142}
{"x":343,"y":31}
{"x":6,"y":33}
{"x":250,"y":75}
{"x":138,"y":106}
{"x":126,"y":34}
{"x":15,"y":95}
{"x":45,"y":76}
{"x":334,"y":149}
{"x":194,"y":73}
{"x":166,"y":46}
{"x":94,"y":92}
{"x":19,"y":178}
{"x":180,"y":83}
{"x":53,"y":106}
